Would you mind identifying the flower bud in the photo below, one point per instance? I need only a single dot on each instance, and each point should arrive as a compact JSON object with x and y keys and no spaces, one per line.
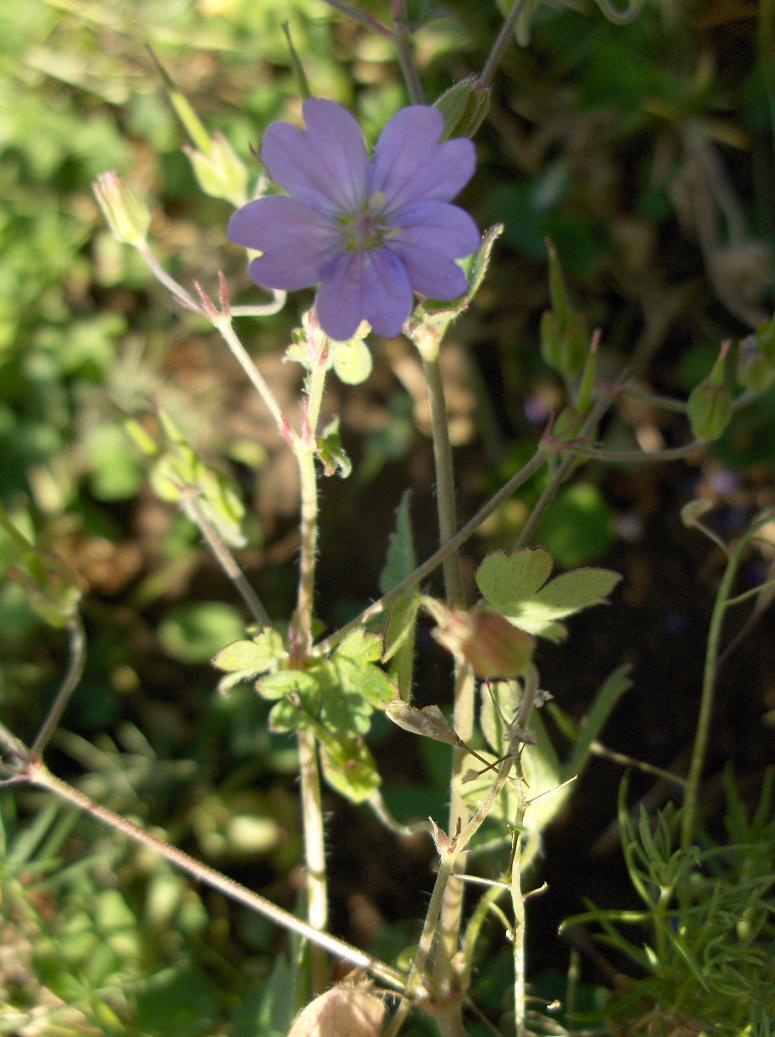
{"x":125,"y":214}
{"x":564,"y":332}
{"x":710,"y":404}
{"x":487,"y":640}
{"x":221,"y":173}
{"x":464,"y":107}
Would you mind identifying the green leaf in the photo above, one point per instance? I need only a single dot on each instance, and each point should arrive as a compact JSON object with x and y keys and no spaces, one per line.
{"x":512,"y":584}
{"x":251,"y":656}
{"x":401,"y":559}
{"x":505,"y":580}
{"x":331,"y":453}
{"x":284,"y":716}
{"x":193,"y":633}
{"x":278,"y":685}
{"x":577,"y":527}
{"x":606,"y":698}
{"x":402,"y":620}
{"x":349,"y":768}
{"x":359,"y":647}
{"x":576,"y":590}
{"x":352,"y":361}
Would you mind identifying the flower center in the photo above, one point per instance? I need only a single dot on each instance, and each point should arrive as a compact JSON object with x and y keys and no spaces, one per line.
{"x":368,"y":228}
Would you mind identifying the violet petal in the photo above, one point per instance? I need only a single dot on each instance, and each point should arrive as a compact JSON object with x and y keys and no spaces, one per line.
{"x":436,"y":226}
{"x":297,"y":241}
{"x":326,"y":166}
{"x":410,"y":165}
{"x":434,"y":275}
{"x":364,"y":285}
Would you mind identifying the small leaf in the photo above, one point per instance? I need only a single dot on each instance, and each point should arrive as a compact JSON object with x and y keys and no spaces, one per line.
{"x":401,"y":559}
{"x":505,"y":580}
{"x":193,"y":632}
{"x":352,"y":361}
{"x":401,"y":623}
{"x":579,"y":589}
{"x":349,"y":768}
{"x":360,"y":647}
{"x":255,"y":656}
{"x":287,"y":682}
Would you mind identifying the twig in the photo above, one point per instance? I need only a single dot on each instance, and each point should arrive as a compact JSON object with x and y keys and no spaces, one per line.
{"x":76,"y":640}
{"x":194,"y":511}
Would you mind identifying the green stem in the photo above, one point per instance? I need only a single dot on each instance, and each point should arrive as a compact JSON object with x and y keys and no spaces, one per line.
{"x":463,"y":710}
{"x":402,"y":38}
{"x":77,"y":647}
{"x":311,"y":795}
{"x":445,"y":481}
{"x":501,"y":44}
{"x":193,"y":510}
{"x":39,"y":775}
{"x":701,"y":737}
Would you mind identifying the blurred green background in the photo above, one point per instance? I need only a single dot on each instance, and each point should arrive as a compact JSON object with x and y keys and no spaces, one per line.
{"x":645,"y":151}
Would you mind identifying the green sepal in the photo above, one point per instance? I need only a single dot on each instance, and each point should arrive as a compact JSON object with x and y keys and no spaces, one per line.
{"x":564,"y":333}
{"x":331,"y":453}
{"x":430,"y":320}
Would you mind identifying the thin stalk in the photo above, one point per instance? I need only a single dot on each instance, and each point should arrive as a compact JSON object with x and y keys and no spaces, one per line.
{"x":39,"y":775}
{"x":445,"y":481}
{"x":501,"y":44}
{"x":702,"y":735}
{"x":311,"y":795}
{"x":595,"y":453}
{"x":161,"y":275}
{"x":437,"y":558}
{"x":463,"y":710}
{"x":518,"y":906}
{"x":76,"y":640}
{"x":193,"y":510}
{"x":366,"y":20}
{"x":402,"y":39}
{"x":255,"y":377}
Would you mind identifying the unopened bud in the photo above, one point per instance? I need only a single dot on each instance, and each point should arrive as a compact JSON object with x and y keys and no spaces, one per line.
{"x":221,"y":173}
{"x":710,"y":404}
{"x":125,"y":214}
{"x":464,"y":107}
{"x":487,"y":640}
{"x":564,"y":333}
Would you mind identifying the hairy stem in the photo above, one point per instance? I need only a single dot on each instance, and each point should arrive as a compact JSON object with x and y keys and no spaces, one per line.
{"x":311,"y":796}
{"x":39,"y":775}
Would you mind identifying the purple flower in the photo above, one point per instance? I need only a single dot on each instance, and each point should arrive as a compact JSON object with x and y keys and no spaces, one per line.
{"x":368,"y":232}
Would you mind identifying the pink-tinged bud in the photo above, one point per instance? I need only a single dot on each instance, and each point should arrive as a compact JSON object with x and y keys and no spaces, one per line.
{"x":487,"y":640}
{"x":344,"y":1011}
{"x":125,"y":214}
